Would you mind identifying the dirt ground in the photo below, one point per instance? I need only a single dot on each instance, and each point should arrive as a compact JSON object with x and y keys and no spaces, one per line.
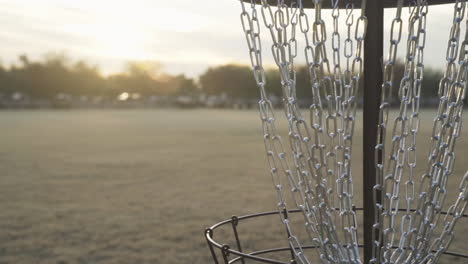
{"x":140,"y":186}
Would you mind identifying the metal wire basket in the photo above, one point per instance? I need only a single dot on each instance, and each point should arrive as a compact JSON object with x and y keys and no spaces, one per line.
{"x":224,"y":253}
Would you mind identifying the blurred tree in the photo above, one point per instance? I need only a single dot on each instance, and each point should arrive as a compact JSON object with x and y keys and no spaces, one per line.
{"x":303,"y":86}
{"x":41,"y":79}
{"x":184,"y":85}
{"x":86,"y":80}
{"x":234,"y":80}
{"x":55,"y":74}
{"x":144,"y":78}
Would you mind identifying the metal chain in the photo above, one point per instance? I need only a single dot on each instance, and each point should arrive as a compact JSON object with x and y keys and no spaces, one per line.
{"x":316,"y":166}
{"x":441,"y":157}
{"x":395,"y":169}
{"x":348,"y":48}
{"x":416,"y":229}
{"x":307,"y":147}
{"x":415,"y":79}
{"x":336,"y":155}
{"x":454,"y":213}
{"x":316,"y":113}
{"x":323,"y":87}
{"x":339,"y":124}
{"x":276,"y":155}
{"x":380,"y":208}
{"x":347,"y":115}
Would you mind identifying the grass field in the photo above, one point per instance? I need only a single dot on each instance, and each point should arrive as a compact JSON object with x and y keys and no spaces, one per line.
{"x":140,"y":186}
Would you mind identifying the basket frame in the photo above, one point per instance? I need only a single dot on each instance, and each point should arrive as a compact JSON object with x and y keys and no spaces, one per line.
{"x":226,"y":251}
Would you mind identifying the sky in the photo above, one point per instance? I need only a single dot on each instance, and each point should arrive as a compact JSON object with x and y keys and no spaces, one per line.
{"x":185,"y":36}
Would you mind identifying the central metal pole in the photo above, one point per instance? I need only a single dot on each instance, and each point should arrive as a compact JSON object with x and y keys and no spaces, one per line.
{"x":373,"y":74}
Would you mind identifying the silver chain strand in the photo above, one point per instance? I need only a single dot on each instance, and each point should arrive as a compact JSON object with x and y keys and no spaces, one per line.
{"x":454,"y":213}
{"x":413,"y":100}
{"x":272,"y":140}
{"x":322,"y":87}
{"x":387,"y":87}
{"x":395,"y":169}
{"x":416,"y":230}
{"x":316,"y":120}
{"x":446,"y":129}
{"x":317,"y":210}
{"x":349,"y":106}
{"x":407,"y":127}
{"x":334,"y":116}
{"x":308,"y":149}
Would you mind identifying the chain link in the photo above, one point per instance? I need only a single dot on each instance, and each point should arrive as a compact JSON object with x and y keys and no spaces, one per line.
{"x":445,"y":133}
{"x":381,"y":209}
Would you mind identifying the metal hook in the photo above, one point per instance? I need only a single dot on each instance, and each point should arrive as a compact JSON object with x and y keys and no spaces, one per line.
{"x":335,"y":3}
{"x":349,"y":12}
{"x":414,"y":7}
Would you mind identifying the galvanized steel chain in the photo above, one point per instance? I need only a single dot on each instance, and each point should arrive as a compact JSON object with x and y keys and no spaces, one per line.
{"x":446,"y":130}
{"x":348,"y":48}
{"x":406,"y":229}
{"x":334,"y":123}
{"x":416,"y":229}
{"x":335,"y":100}
{"x":334,"y":166}
{"x":347,"y":112}
{"x":387,"y":86}
{"x":396,"y":164}
{"x":316,"y":118}
{"x":399,"y":162}
{"x":307,"y":148}
{"x":325,"y":124}
{"x":276,"y":154}
{"x":317,"y":164}
{"x":454,"y":213}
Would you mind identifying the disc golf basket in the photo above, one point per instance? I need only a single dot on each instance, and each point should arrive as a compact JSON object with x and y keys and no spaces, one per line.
{"x":406,"y":218}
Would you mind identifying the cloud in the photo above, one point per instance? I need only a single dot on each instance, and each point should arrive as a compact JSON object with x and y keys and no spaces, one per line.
{"x":186,"y":36}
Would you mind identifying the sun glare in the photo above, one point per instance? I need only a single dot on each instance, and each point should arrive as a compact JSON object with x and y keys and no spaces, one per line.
{"x":124,"y":96}
{"x":117,"y":41}
{"x":122,"y":43}
{"x":129,"y":32}
{"x":111,"y":33}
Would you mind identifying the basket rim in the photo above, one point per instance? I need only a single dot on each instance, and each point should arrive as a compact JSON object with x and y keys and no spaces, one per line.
{"x":226,"y":250}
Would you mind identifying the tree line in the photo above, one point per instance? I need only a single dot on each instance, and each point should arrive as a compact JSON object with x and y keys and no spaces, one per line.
{"x":56,"y":74}
{"x":56,"y":78}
